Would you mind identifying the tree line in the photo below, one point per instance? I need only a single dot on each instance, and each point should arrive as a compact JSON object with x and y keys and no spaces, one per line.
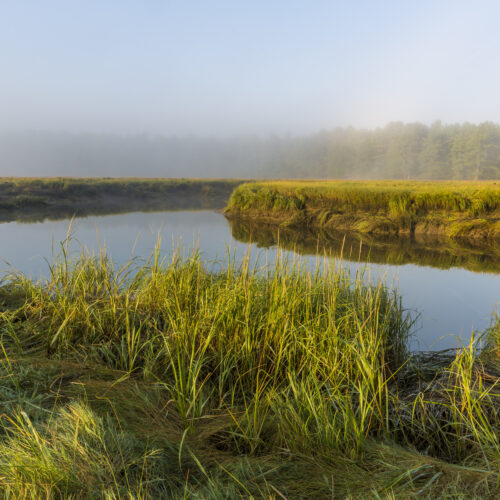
{"x":397,"y":151}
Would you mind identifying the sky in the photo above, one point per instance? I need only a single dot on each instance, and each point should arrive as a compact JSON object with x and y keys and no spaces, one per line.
{"x":225,"y":68}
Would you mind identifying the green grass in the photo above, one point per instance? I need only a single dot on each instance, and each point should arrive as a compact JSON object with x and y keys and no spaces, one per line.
{"x":175,"y":380}
{"x":457,"y":209}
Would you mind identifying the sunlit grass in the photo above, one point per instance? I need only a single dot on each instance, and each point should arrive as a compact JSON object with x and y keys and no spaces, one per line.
{"x":454,"y":208}
{"x":172,"y":379}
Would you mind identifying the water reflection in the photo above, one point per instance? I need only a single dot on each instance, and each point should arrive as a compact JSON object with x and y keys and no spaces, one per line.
{"x":423,"y":250}
{"x":65,"y":210}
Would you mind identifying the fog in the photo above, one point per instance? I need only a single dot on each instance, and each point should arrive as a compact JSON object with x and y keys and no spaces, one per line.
{"x":98,"y":155}
{"x":185,"y":88}
{"x":397,"y":151}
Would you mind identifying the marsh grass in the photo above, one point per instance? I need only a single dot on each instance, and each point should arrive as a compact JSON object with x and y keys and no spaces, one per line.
{"x":172,"y":379}
{"x":33,"y":199}
{"x":95,"y":186}
{"x":454,"y":208}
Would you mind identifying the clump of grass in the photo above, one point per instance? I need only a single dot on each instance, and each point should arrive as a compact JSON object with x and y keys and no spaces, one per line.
{"x":178,"y":380}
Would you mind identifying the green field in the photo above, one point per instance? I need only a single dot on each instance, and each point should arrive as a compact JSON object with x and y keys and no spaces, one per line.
{"x":456,"y":209}
{"x":174,"y":380}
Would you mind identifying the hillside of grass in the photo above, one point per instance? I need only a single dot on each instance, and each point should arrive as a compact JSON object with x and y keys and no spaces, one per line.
{"x":171,"y":379}
{"x":465,"y":209}
{"x":34,"y":199}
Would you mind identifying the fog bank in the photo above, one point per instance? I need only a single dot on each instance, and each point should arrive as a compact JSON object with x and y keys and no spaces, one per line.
{"x":398,"y":151}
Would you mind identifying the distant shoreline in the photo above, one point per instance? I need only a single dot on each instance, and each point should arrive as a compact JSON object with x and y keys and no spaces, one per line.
{"x":37,"y":199}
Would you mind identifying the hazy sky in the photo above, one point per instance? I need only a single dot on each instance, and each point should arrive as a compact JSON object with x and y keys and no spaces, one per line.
{"x":213,"y":67}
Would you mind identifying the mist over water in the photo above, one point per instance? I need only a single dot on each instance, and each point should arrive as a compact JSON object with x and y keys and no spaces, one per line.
{"x":174,"y":326}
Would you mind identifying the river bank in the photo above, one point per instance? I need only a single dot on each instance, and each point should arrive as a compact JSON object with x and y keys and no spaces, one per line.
{"x":37,"y":199}
{"x":457,"y":210}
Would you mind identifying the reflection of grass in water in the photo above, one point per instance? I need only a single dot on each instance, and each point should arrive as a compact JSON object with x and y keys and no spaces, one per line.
{"x":58,"y":213}
{"x":422,"y":250}
{"x":171,"y":381}
{"x":454,"y":208}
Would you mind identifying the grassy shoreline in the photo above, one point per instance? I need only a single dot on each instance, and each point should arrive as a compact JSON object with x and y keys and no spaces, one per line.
{"x":466,"y":209}
{"x":35,"y":199}
{"x":173,"y":380}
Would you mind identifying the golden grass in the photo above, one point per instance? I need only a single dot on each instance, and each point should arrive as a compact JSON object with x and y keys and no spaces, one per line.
{"x":457,"y":209}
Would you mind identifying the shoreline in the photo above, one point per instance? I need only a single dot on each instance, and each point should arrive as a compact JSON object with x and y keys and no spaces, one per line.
{"x":456,"y":210}
{"x":37,"y":199}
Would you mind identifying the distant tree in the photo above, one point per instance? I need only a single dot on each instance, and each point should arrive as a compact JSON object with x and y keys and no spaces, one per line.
{"x":398,"y":150}
{"x":434,"y":160}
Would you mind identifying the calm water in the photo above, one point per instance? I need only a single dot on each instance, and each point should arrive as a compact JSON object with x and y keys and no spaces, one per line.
{"x":451,"y":302}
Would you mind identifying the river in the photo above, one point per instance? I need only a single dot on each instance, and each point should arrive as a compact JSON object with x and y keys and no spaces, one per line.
{"x":452,"y":293}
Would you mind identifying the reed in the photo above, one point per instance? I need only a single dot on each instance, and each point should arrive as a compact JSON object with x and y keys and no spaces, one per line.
{"x":174,"y":379}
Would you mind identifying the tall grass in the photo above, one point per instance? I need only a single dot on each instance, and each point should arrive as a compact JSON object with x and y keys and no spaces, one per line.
{"x":94,"y":186}
{"x":176,"y":380}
